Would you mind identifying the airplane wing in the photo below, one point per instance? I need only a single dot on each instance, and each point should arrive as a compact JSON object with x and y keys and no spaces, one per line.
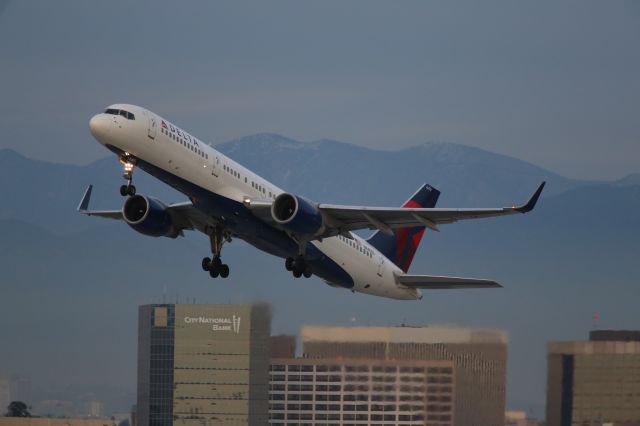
{"x":350,"y":218}
{"x":432,"y":282}
{"x":183,"y":215}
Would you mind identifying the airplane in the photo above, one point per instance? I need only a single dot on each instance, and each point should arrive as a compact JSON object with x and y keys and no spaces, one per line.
{"x":227,"y":201}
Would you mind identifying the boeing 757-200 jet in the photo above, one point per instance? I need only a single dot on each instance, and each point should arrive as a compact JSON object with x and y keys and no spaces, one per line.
{"x":228,"y":201}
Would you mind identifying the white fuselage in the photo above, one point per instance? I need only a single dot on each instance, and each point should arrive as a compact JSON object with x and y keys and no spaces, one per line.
{"x":176,"y":156}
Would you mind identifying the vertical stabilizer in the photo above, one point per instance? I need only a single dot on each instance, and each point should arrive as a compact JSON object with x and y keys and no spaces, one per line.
{"x":402,"y":245}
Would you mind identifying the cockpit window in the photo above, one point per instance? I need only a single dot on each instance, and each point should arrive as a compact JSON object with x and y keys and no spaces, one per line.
{"x":125,"y":114}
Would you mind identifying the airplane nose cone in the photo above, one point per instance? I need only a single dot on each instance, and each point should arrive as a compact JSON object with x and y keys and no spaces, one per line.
{"x":99,"y":126}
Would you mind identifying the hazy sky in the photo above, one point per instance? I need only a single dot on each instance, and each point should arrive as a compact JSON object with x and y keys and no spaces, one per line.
{"x":554,"y":83}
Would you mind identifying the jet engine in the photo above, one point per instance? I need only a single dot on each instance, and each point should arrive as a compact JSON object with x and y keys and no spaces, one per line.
{"x":148,"y":216}
{"x":297,"y":214}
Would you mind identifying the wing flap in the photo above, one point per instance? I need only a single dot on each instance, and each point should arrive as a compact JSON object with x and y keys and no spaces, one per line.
{"x":433,"y":282}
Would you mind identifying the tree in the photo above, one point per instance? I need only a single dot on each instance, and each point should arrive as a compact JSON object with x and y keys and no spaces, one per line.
{"x":18,"y":409}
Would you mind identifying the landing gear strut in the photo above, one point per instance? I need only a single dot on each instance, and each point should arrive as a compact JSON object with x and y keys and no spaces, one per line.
{"x":128,"y":165}
{"x":298,"y":266}
{"x":214,"y":266}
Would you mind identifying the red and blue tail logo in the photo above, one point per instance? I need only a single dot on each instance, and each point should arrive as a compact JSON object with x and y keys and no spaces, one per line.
{"x":402,"y":245}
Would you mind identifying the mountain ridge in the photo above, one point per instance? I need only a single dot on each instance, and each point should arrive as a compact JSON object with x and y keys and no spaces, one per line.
{"x":572,"y":256}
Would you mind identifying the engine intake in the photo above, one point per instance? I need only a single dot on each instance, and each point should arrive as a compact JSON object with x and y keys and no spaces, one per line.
{"x":148,"y":216}
{"x":296,"y":214}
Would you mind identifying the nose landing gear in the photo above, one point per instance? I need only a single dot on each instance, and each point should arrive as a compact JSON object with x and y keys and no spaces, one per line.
{"x":128,"y":165}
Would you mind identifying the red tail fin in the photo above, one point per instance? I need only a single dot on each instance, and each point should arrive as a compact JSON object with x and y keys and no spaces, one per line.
{"x":401,"y":247}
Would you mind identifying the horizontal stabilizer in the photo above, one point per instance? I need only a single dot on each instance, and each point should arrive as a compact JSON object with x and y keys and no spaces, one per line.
{"x":431,"y":282}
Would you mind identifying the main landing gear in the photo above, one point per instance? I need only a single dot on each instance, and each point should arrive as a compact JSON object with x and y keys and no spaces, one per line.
{"x":215,"y":267}
{"x":298,"y":266}
{"x":128,"y":165}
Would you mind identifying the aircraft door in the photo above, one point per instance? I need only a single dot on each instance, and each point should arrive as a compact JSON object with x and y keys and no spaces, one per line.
{"x":215,"y":165}
{"x":380,"y":265}
{"x":153,"y":125}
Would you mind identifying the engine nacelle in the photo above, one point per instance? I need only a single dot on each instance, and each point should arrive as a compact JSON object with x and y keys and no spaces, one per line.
{"x":148,"y":216}
{"x":296,"y":214}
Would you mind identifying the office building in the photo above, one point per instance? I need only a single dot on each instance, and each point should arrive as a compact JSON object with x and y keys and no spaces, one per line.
{"x":594,"y":382}
{"x":427,"y":375}
{"x":282,"y":346}
{"x":203,"y":365}
{"x":361,"y":392}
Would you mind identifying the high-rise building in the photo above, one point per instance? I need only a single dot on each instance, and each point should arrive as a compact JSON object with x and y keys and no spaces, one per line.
{"x":595,"y":382}
{"x":435,"y":375}
{"x":203,"y":365}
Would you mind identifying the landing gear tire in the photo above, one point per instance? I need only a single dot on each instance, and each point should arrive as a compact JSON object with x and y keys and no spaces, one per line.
{"x":307,"y":272}
{"x":216,"y":268}
{"x":215,"y":263}
{"x":288,"y":264}
{"x":224,"y":271}
{"x":129,"y":190}
{"x":206,"y":264}
{"x":299,"y":267}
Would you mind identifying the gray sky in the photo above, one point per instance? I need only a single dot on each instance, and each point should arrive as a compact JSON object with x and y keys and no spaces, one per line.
{"x":554,"y":83}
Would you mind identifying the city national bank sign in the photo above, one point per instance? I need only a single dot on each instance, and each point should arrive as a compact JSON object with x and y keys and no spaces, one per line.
{"x":217,"y":323}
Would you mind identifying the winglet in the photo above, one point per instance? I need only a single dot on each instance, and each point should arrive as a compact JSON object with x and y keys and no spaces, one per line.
{"x":84,"y":203}
{"x":532,"y":201}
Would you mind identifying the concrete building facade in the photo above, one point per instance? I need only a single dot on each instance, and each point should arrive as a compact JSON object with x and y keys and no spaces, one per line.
{"x":595,"y":382}
{"x":475,"y":358}
{"x":203,"y":365}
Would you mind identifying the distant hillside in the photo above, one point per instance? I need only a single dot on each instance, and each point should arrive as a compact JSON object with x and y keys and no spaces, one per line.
{"x":71,"y":285}
{"x":342,"y":173}
{"x":326,"y":171}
